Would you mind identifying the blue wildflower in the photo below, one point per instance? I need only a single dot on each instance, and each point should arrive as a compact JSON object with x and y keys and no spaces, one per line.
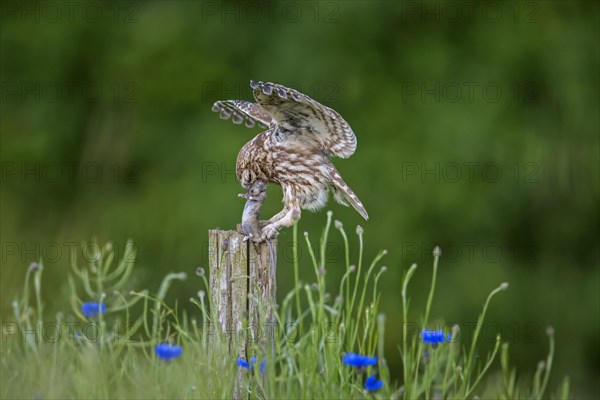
{"x":434,"y":337}
{"x":250,"y":365}
{"x":168,"y":351}
{"x":93,"y":309}
{"x":372,"y":384}
{"x":263,"y":366}
{"x":245,"y":364}
{"x":358,"y":360}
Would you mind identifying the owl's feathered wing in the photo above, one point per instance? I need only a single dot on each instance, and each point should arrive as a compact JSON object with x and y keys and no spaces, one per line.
{"x":295,"y":112}
{"x":241,"y":111}
{"x":292,"y":112}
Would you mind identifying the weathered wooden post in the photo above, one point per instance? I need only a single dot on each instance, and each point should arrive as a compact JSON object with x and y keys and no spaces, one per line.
{"x":242,"y":289}
{"x":243,"y":284}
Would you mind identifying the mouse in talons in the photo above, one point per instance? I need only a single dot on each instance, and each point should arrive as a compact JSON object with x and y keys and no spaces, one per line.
{"x":251,"y":226}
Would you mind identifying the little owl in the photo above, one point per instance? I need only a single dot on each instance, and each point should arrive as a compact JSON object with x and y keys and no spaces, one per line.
{"x":293,"y":152}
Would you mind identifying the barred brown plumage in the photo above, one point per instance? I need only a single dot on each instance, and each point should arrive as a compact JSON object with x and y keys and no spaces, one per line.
{"x":294,"y":151}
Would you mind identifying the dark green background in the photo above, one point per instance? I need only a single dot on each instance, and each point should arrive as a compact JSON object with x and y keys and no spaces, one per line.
{"x":443,"y":97}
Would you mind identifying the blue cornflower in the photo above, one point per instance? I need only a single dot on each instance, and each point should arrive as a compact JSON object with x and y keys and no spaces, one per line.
{"x":372,"y":384}
{"x":244,"y":364}
{"x":434,"y":337}
{"x":262,"y":366}
{"x":93,"y":309}
{"x":358,"y":360}
{"x":167,"y":351}
{"x":250,"y":365}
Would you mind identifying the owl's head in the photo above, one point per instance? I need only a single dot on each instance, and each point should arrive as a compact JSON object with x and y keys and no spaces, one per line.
{"x":246,"y":169}
{"x":246,"y":178}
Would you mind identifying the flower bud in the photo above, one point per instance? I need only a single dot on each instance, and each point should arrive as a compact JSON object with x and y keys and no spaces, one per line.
{"x":295,"y":214}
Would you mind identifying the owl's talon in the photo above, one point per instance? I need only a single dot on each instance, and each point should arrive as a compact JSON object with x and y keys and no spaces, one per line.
{"x":282,"y":93}
{"x":253,"y":84}
{"x":269,"y":232}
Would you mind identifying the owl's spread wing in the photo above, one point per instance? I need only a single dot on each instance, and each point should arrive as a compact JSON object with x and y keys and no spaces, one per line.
{"x":243,"y":112}
{"x":296,"y":113}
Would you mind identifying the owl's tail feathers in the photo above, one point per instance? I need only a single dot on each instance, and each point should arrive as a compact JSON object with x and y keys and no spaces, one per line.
{"x":344,"y":195}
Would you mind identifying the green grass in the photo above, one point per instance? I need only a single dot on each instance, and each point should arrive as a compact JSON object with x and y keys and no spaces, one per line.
{"x":112,"y":356}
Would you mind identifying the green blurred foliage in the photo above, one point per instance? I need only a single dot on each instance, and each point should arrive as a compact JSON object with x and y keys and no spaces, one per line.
{"x":443,"y":96}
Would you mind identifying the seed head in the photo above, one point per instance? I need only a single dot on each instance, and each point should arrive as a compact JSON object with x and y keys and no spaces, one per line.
{"x":295,"y":214}
{"x":541,"y":365}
